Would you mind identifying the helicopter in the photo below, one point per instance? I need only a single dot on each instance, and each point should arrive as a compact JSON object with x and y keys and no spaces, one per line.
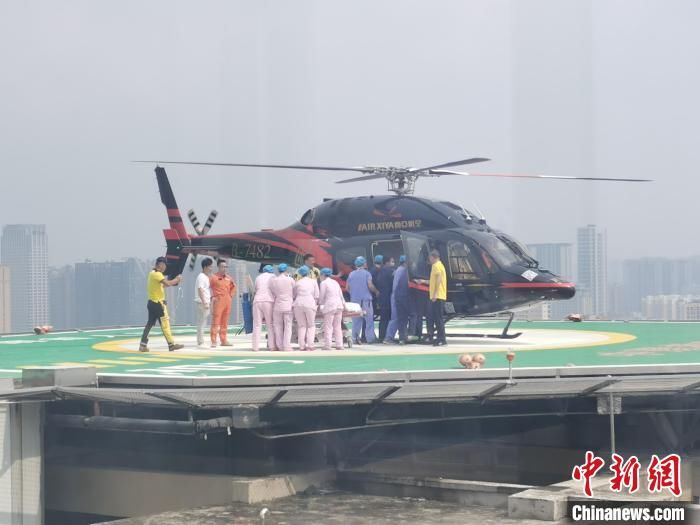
{"x":488,"y":271}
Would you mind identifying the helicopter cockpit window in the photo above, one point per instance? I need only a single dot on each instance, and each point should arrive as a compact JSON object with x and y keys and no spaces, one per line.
{"x":458,"y":258}
{"x":502,"y":253}
{"x":307,"y":218}
{"x":463,"y":212}
{"x":520,"y":250}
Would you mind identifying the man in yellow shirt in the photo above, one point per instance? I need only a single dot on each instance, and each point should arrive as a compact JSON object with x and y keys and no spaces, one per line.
{"x":157,"y":309}
{"x":438,"y":296}
{"x":310,"y":263}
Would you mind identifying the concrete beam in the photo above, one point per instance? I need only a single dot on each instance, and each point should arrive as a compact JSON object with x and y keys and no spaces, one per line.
{"x":248,"y":490}
{"x":481,"y":493}
{"x":59,"y":376}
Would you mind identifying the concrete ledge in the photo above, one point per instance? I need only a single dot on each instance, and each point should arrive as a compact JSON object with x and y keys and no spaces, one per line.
{"x":538,"y":504}
{"x":481,"y":493}
{"x":247,"y":490}
{"x":59,"y":376}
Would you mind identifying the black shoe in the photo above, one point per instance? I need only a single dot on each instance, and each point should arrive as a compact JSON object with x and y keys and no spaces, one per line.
{"x":440,"y":343}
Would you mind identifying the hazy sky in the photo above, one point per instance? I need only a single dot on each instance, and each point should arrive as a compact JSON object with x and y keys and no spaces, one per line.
{"x":607,"y":88}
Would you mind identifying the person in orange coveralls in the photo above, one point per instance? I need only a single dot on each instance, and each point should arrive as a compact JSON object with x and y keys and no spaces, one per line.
{"x":223,"y":289}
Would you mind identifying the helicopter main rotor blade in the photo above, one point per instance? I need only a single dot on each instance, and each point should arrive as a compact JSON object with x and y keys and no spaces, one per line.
{"x":511,"y":175}
{"x":473,"y":160}
{"x":361,"y":169}
{"x":366,"y":177}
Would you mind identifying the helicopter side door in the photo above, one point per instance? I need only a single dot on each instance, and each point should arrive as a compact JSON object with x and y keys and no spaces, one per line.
{"x":416,"y":247}
{"x":468,"y":281}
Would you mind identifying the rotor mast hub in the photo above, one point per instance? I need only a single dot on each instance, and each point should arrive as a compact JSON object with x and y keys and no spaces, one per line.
{"x":401,"y":181}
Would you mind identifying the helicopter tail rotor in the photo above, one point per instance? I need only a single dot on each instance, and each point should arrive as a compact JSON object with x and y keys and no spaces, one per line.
{"x":200,"y":231}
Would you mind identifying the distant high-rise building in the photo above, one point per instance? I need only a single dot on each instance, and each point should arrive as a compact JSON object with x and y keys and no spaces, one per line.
{"x":671,"y":307}
{"x":555,"y":257}
{"x":5,"y":309}
{"x":657,"y":276}
{"x":24,"y":250}
{"x":692,"y":311}
{"x":62,"y":297}
{"x":111,"y":293}
{"x":592,"y":281}
{"x":539,"y":312}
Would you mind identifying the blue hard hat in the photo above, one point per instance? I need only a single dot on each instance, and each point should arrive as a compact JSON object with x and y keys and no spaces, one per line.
{"x":360,"y":261}
{"x":378,"y":259}
{"x":303,"y":271}
{"x":402,"y":259}
{"x":268,"y":268}
{"x":281,"y":268}
{"x":326,"y":271}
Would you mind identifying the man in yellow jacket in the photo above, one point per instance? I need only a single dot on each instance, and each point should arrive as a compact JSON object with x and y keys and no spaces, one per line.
{"x":157,"y":308}
{"x":438,"y":296}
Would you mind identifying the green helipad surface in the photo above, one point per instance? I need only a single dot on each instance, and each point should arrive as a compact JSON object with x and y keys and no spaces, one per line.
{"x":544,"y":344}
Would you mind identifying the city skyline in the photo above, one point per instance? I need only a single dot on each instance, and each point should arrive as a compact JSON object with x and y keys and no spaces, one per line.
{"x":93,"y":294}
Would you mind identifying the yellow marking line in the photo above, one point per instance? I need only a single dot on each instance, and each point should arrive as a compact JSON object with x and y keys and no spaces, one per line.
{"x":151,"y":359}
{"x":119,"y":346}
{"x":115,"y":362}
{"x":608,"y":338}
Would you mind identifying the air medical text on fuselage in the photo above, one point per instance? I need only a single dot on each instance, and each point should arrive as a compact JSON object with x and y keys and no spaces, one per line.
{"x":389,"y":225}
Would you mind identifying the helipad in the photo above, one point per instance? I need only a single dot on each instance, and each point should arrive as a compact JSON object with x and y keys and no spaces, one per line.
{"x":543,"y":344}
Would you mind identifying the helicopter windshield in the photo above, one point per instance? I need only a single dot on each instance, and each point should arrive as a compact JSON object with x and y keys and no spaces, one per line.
{"x":519,"y":249}
{"x":504,"y":250}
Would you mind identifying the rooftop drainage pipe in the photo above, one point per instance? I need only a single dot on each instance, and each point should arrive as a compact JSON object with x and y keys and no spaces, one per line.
{"x":158,"y":426}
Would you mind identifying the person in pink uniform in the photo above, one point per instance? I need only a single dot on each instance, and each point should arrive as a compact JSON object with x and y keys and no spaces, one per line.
{"x":262,"y":308}
{"x":332,"y":305}
{"x":282,"y":289}
{"x":305,"y":306}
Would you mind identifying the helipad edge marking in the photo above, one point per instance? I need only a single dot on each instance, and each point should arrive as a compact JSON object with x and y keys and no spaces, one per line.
{"x":608,"y":338}
{"x":117,"y":346}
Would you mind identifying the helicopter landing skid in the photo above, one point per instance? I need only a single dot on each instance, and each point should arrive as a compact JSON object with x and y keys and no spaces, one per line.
{"x":503,"y":335}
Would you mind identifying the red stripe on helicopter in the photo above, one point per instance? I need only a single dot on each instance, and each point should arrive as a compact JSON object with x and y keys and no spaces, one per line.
{"x":422,"y":287}
{"x":175,"y":220}
{"x":171,"y":235}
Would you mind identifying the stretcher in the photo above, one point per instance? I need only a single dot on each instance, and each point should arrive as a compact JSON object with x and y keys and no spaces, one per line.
{"x":351,"y":310}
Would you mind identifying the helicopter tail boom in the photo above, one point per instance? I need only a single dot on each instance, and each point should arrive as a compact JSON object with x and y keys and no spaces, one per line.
{"x":176,"y":237}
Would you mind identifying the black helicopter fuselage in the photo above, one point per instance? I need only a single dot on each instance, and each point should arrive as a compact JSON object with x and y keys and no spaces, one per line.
{"x":487,"y":271}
